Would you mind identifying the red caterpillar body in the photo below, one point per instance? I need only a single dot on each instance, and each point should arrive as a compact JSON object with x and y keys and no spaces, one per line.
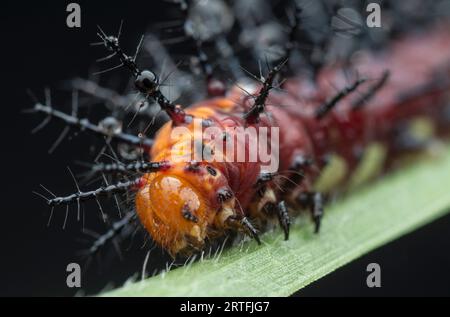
{"x":185,"y":204}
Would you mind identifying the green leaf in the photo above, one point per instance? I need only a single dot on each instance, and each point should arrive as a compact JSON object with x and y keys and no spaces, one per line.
{"x":367,"y":219}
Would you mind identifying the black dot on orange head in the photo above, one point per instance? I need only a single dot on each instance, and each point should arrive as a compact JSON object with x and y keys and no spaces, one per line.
{"x":187,"y":214}
{"x":211,"y":170}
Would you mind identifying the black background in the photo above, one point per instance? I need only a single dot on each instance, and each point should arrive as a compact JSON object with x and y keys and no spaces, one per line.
{"x":39,"y":50}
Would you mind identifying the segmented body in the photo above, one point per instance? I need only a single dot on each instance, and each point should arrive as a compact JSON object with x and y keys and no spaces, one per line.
{"x":348,"y":146}
{"x":336,"y":124}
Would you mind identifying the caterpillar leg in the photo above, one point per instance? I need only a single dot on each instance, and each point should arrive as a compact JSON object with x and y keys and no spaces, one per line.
{"x":270,"y":204}
{"x":283,"y":218}
{"x":314,"y":201}
{"x":281,"y":212}
{"x":245,"y":225}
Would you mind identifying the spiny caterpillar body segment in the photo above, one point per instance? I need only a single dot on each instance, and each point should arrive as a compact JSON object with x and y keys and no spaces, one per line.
{"x":337,"y":125}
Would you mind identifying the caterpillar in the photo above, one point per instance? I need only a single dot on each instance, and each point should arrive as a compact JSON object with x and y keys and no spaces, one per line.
{"x":329,"y":129}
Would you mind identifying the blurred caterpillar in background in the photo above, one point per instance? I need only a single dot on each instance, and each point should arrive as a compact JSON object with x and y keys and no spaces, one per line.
{"x":344,"y":102}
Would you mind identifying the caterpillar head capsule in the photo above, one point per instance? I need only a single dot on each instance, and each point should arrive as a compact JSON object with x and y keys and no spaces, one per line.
{"x":178,"y":208}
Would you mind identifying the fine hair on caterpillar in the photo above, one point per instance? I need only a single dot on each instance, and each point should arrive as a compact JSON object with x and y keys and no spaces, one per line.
{"x":300,"y":119}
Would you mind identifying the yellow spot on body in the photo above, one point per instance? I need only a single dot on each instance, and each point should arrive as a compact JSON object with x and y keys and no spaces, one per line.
{"x":371,"y":165}
{"x":332,"y":175}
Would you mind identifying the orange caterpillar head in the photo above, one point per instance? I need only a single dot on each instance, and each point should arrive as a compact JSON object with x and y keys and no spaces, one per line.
{"x":186,"y":203}
{"x":179,"y":206}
